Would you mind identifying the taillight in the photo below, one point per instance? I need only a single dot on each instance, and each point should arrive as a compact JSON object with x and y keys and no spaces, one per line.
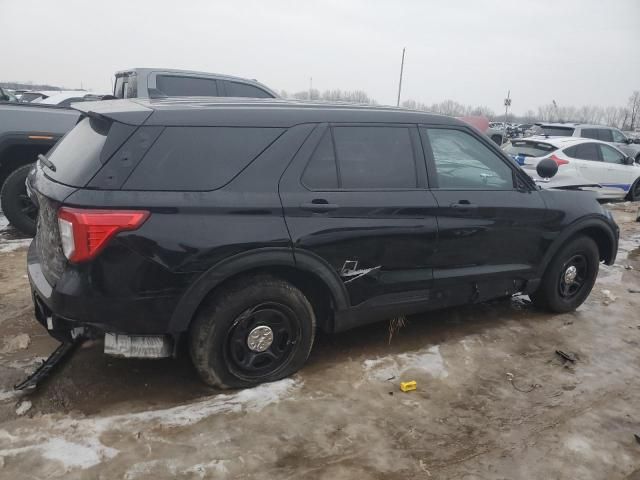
{"x":559,"y":161}
{"x":84,"y":232}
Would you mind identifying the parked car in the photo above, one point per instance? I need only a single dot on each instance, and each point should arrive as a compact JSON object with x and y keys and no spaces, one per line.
{"x":7,"y":96}
{"x":590,"y":160}
{"x":164,"y":82}
{"x":67,"y":98}
{"x":31,"y":95}
{"x":610,"y":135}
{"x":246,"y":226}
{"x":26,"y":132}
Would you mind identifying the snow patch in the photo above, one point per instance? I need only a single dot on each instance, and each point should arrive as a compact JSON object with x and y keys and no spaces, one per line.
{"x":85,"y":449}
{"x":429,"y":361}
{"x":12,"y":245}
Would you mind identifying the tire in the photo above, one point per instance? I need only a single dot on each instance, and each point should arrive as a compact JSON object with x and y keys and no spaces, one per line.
{"x":634,"y":191}
{"x":555,"y":292}
{"x":15,"y":203}
{"x":221,"y":347}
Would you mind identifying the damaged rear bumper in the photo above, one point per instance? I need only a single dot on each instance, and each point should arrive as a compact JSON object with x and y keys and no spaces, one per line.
{"x":51,"y":304}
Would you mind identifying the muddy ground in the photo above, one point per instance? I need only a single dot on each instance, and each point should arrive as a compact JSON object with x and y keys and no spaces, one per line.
{"x":494,"y":400}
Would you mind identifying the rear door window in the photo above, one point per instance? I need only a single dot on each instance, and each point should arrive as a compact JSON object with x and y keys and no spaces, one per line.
{"x":375,"y":157}
{"x":199,"y":158}
{"x":462,"y":162}
{"x":175,"y":86}
{"x":237,"y":89}
{"x":362,"y":158}
{"x":584,"y":151}
{"x":77,"y":155}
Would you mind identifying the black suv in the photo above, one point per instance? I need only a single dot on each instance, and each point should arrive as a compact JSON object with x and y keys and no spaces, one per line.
{"x":247,"y":225}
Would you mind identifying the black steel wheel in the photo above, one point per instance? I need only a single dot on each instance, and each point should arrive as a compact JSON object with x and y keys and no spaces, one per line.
{"x":573,"y":274}
{"x":254,"y":330}
{"x":569,"y":277}
{"x":261,"y":340}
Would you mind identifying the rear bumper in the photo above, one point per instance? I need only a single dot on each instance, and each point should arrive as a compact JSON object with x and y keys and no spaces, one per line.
{"x":80,"y":299}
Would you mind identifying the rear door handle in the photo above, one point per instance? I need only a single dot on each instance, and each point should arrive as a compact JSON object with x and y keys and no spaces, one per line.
{"x":319,"y":206}
{"x":463,"y":206}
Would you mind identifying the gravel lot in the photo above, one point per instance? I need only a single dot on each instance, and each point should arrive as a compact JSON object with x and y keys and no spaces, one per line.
{"x":494,"y":400}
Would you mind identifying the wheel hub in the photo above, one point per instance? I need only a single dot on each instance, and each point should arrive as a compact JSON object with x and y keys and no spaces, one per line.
{"x":260,"y":338}
{"x":570,"y":275}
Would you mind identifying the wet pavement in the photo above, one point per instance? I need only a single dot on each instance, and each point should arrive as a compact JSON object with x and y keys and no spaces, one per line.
{"x":494,"y":399}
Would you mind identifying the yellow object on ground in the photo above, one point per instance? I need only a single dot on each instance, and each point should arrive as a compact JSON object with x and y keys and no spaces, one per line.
{"x":408,"y":386}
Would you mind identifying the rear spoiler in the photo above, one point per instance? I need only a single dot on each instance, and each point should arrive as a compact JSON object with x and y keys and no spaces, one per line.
{"x":123,"y":111}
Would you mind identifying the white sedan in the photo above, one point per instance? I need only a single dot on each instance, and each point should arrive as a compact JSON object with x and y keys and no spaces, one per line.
{"x":591,"y":161}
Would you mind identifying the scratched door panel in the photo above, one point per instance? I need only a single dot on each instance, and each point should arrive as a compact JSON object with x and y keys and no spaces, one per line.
{"x":380,"y":241}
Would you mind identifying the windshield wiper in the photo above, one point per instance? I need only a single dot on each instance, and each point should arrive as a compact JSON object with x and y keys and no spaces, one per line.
{"x":46,"y":162}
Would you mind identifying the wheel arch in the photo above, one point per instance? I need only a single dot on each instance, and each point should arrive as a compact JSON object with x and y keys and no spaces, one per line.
{"x":19,"y":150}
{"x":596,"y":229}
{"x":307,"y":272}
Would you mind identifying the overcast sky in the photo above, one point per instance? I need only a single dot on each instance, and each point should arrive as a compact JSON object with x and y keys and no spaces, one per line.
{"x":575,"y":51}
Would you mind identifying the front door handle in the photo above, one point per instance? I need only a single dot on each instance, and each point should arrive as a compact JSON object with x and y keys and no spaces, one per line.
{"x":319,"y":205}
{"x":463,"y":205}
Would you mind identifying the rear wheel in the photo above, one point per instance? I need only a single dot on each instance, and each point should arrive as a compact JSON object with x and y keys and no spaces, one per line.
{"x":16,"y":204}
{"x":256,"y":330}
{"x":569,"y":277}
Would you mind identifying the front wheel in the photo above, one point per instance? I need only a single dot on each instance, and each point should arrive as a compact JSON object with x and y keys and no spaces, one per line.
{"x":256,"y":330}
{"x":16,"y":204}
{"x":569,"y":277}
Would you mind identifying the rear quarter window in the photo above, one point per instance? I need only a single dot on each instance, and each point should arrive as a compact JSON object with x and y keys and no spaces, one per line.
{"x":199,"y":158}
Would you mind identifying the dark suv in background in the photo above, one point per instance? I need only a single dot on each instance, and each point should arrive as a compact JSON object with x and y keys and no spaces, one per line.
{"x":247,"y":225}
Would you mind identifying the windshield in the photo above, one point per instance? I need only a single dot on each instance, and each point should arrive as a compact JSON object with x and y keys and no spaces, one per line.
{"x":528,"y":148}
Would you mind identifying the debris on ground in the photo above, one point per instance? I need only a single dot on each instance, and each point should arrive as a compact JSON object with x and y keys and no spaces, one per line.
{"x":567,"y":356}
{"x":637,"y":437}
{"x":15,"y":343}
{"x":23,"y":407}
{"x":531,"y":388}
{"x":634,"y":290}
{"x":395,"y":324}
{"x":608,"y":297}
{"x":408,"y":386}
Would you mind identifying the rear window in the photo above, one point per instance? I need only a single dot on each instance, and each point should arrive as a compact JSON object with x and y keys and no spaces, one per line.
{"x":199,"y":158}
{"x":77,"y":155}
{"x":553,"y":131}
{"x":528,"y":148}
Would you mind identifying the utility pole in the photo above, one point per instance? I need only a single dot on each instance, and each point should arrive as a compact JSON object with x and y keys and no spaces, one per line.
{"x":310,"y":86}
{"x":507,"y":104}
{"x":400,"y":82}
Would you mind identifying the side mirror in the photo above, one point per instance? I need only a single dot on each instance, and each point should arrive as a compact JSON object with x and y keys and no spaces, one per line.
{"x":629,"y":160}
{"x":547,"y":168}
